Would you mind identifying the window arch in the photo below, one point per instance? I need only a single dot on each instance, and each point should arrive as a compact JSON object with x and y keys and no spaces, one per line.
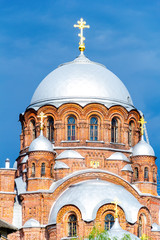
{"x":43,"y":169}
{"x":108,"y":221}
{"x":33,"y":129}
{"x":94,"y":129}
{"x":33,"y":170}
{"x":114,"y":130}
{"x":136,"y":173}
{"x":146,"y":177}
{"x":50,"y":129}
{"x":72,"y":226}
{"x":131,"y":133}
{"x":71,"y":128}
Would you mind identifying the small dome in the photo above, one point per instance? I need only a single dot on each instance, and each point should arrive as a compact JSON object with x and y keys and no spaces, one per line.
{"x":41,"y":144}
{"x":69,"y":154}
{"x":31,"y":223}
{"x":81,"y":81}
{"x":143,"y":149}
{"x":118,"y":156}
{"x":127,"y":168}
{"x":60,"y":165}
{"x":118,"y":233}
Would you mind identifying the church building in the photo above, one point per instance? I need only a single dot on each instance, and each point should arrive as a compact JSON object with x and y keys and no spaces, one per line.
{"x":84,"y":161}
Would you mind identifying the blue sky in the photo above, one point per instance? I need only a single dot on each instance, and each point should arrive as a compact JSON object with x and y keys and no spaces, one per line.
{"x":37,"y":36}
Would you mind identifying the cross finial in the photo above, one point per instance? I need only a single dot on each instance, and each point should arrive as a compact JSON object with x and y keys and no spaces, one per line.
{"x":142,"y":122}
{"x":116,"y":207}
{"x":41,"y":116}
{"x":81,"y":25}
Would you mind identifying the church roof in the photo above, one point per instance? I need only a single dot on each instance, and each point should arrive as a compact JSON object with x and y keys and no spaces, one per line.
{"x":81,"y":81}
{"x":9,"y":227}
{"x":90,"y":195}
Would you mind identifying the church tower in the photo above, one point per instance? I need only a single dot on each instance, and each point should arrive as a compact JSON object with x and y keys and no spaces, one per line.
{"x":83,"y":159}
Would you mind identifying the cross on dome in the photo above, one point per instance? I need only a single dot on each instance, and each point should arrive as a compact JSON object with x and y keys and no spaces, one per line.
{"x":116,"y":202}
{"x":41,"y":116}
{"x":142,"y":122}
{"x":81,"y":25}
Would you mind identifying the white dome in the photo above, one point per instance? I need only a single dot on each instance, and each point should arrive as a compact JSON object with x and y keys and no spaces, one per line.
{"x":41,"y":144}
{"x":127,"y":168}
{"x":116,"y":232}
{"x":118,"y":156}
{"x":69,"y":154}
{"x":60,"y":165}
{"x":81,"y":81}
{"x":31,"y":223}
{"x":143,"y":149}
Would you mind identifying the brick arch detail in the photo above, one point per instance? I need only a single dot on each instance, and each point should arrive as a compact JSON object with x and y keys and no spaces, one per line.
{"x":66,"y":211}
{"x":67,"y":109}
{"x":118,"y":111}
{"x":62,"y":220}
{"x":97,"y":107}
{"x":146,"y":212}
{"x":110,"y":209}
{"x":146,"y":227}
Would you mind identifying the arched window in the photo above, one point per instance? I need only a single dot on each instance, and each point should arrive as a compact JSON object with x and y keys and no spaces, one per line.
{"x":71,"y":129}
{"x":72,"y":226}
{"x":108,"y":221}
{"x":51,"y":170}
{"x":33,"y":170}
{"x":93,"y":129}
{"x":33,"y":129}
{"x":146,"y":177}
{"x":136,"y":173}
{"x":154,"y":176}
{"x":43,"y":169}
{"x":50,"y":129}
{"x":140,"y":227}
{"x":114,"y":130}
{"x":131,"y":133}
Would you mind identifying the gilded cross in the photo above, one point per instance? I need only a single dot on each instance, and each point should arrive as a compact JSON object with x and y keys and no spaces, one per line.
{"x":142,"y":122}
{"x":116,"y":207}
{"x":41,"y":116}
{"x":81,"y":25}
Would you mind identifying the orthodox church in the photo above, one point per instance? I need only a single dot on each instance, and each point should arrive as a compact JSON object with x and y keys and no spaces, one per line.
{"x":84,"y":160}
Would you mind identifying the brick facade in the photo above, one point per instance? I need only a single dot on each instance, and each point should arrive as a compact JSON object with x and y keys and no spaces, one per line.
{"x":41,"y":189}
